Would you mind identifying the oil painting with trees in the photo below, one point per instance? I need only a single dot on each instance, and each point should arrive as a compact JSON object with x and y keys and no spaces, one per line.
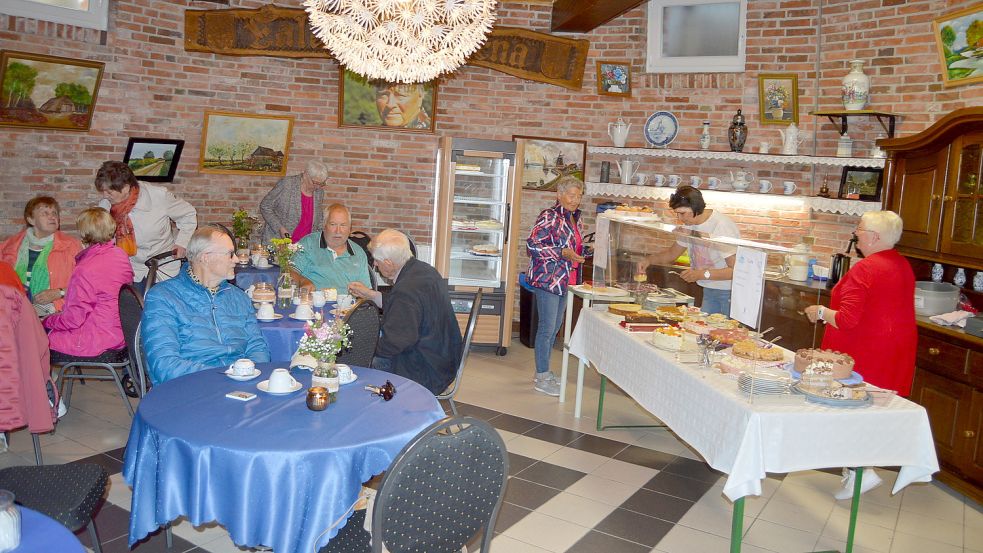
{"x":47,"y":92}
{"x":235,"y":143}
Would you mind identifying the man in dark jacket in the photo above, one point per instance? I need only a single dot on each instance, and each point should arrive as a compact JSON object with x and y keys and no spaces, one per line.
{"x":420,"y":339}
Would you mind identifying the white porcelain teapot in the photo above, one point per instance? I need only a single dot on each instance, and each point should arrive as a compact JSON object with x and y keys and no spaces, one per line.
{"x":626,"y":170}
{"x":790,"y":140}
{"x":618,"y":131}
{"x":740,"y":180}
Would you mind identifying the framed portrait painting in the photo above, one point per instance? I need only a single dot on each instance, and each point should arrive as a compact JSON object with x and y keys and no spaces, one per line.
{"x":153,"y":159}
{"x":546,"y":160}
{"x":244,"y":144}
{"x":778,"y":98}
{"x":614,"y":78}
{"x":47,"y":92}
{"x":959,"y":40}
{"x":377,"y":104}
{"x":861,"y":183}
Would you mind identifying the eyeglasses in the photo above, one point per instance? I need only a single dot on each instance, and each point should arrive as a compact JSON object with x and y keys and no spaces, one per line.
{"x":228,"y":253}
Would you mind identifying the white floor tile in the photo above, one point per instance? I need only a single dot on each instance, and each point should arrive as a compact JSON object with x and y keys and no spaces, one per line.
{"x":931,"y":528}
{"x":870,"y":513}
{"x":549,"y":533}
{"x":576,"y":459}
{"x":119,"y":493}
{"x":829,"y":544}
{"x":817,"y":480}
{"x":505,"y":544}
{"x":870,"y":536}
{"x":934,"y":500}
{"x":776,"y":537}
{"x":682,"y":539}
{"x":712,"y":520}
{"x":531,"y":447}
{"x":907,"y":543}
{"x":601,"y":489}
{"x":576,"y":509}
{"x":808,"y":518}
{"x":626,"y":473}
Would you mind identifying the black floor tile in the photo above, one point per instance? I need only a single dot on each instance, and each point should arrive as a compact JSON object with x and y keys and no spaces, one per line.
{"x":693,"y":469}
{"x":513,"y":423}
{"x":475,"y":411}
{"x":508,"y":515}
{"x":596,"y":542}
{"x":111,"y":522}
{"x":553,"y":434}
{"x":518,"y":463}
{"x":646,"y":457}
{"x":658,"y":505}
{"x":112,"y":526}
{"x":551,"y":475}
{"x":528,"y":494}
{"x":116,"y":453}
{"x":154,"y":543}
{"x":634,"y":527}
{"x":678,"y":486}
{"x":598,"y":445}
{"x":111,"y":465}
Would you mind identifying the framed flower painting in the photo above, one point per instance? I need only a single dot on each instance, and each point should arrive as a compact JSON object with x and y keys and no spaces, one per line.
{"x":778,"y":98}
{"x":613,"y":78}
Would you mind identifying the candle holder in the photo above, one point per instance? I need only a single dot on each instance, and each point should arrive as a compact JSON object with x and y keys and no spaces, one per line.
{"x":317,"y":398}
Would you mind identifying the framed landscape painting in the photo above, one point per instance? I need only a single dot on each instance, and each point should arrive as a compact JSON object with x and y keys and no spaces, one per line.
{"x":959,"y":39}
{"x":614,"y":78}
{"x":778,"y":98}
{"x":153,"y":159}
{"x":47,"y":92}
{"x":243,"y":144}
{"x":383,"y":105}
{"x":861,"y":183}
{"x":545,"y":160}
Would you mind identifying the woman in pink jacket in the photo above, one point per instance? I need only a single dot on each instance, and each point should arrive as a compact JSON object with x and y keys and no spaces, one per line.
{"x":89,"y":323}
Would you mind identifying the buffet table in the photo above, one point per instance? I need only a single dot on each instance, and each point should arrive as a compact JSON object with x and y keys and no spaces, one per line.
{"x":269,"y":470}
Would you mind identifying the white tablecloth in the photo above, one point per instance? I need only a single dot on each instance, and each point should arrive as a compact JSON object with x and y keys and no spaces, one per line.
{"x":744,"y":440}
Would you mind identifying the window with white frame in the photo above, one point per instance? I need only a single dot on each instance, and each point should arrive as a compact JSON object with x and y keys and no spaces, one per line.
{"x":93,"y":14}
{"x":696,"y":36}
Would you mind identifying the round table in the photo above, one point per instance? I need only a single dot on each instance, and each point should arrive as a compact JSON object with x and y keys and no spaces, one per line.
{"x":269,"y":470}
{"x":248,"y":275}
{"x":40,"y":532}
{"x":283,"y":335}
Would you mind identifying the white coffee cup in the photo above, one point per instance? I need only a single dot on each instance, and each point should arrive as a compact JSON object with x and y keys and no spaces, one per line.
{"x":304,"y":311}
{"x":345,"y":301}
{"x":696,"y":181}
{"x":674,"y":180}
{"x":317,"y":298}
{"x":262,"y":263}
{"x":344,"y":372}
{"x":281,"y":381}
{"x":798,"y":272}
{"x":640,"y":179}
{"x":788,"y":187}
{"x":243,"y":367}
{"x":764,"y":147}
{"x":255,"y":258}
{"x":713,"y":183}
{"x":764,"y":186}
{"x":659,"y":180}
{"x":265,"y":311}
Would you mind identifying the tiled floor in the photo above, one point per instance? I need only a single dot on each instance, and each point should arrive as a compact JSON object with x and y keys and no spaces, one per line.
{"x":578,"y":490}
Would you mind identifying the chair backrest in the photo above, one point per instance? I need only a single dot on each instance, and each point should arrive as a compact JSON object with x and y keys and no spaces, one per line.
{"x":363,"y":240}
{"x":415,"y":511}
{"x":163,"y":263}
{"x":468,"y":333}
{"x":363,"y":319}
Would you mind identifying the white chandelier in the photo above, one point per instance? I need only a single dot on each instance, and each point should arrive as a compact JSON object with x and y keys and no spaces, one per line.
{"x":404,"y":41}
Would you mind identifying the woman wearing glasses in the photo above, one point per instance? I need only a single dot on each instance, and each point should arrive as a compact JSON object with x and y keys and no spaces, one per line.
{"x":871,"y":316}
{"x":293,"y":207}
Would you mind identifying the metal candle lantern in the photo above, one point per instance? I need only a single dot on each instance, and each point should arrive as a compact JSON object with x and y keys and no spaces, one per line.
{"x":317,"y":398}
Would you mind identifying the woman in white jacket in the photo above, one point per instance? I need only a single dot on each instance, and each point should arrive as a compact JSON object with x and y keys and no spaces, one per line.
{"x":143,"y":214}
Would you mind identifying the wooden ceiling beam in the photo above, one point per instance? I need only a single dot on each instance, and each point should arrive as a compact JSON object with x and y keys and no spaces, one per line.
{"x":581,"y":16}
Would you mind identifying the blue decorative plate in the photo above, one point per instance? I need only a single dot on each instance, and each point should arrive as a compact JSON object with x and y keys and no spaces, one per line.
{"x":661,"y":129}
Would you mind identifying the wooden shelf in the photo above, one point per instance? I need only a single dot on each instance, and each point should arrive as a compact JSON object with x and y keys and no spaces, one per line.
{"x":778,"y":159}
{"x":844,"y":115}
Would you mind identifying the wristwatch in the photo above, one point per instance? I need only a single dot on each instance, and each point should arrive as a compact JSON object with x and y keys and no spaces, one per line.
{"x":706,"y":274}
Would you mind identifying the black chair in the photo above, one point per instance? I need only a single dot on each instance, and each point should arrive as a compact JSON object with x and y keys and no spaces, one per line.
{"x":444,"y":488}
{"x":451,"y":391}
{"x":67,"y":493}
{"x":130,"y":310}
{"x":363,"y":319}
{"x":363,"y":240}
{"x":162,"y":263}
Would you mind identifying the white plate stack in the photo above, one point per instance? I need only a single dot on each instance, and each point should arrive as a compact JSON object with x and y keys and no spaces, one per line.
{"x":765,"y":382}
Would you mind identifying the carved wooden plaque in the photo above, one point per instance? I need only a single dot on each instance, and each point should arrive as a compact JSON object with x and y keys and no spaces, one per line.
{"x":266,"y":31}
{"x":534,"y":56}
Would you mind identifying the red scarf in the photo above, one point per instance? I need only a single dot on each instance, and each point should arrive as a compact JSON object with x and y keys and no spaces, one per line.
{"x":125,"y":237}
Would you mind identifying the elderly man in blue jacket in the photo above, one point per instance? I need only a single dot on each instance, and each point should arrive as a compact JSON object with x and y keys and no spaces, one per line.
{"x":197,"y":320}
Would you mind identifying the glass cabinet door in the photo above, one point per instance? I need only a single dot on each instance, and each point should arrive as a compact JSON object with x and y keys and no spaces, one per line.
{"x":965,"y":235}
{"x":480,"y":218}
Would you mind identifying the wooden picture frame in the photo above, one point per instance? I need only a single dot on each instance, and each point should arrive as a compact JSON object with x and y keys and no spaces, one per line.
{"x":376,"y":104}
{"x":861,"y":183}
{"x":959,"y":59}
{"x":545,"y":160}
{"x":245,"y":144}
{"x":778,"y":98}
{"x":614,"y":78}
{"x":153,"y":159}
{"x":47,"y":92}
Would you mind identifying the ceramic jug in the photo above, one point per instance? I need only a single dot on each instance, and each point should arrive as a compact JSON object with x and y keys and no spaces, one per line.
{"x":626,"y":170}
{"x":790,"y":140}
{"x":740,"y":180}
{"x":618,"y":131}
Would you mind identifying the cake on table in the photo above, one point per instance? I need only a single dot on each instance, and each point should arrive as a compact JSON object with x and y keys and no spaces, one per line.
{"x":670,"y":338}
{"x":810,"y":360}
{"x":749,"y":349}
{"x":728,"y":336}
{"x":264,"y":295}
{"x":624,"y":308}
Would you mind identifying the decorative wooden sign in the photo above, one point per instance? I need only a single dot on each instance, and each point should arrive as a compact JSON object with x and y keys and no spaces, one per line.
{"x":286,"y":32}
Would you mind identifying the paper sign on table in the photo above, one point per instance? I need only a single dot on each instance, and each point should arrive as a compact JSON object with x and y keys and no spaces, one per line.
{"x":747,"y":288}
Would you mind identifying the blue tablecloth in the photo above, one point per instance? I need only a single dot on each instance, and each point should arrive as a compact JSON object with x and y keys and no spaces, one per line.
{"x":247,"y":275}
{"x":269,"y":470}
{"x":41,"y":533}
{"x":283,"y":335}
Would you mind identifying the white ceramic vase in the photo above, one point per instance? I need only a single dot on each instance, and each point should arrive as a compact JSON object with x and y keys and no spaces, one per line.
{"x":937,"y":272}
{"x":960,"y":278}
{"x":978,"y":281}
{"x":856,"y":87}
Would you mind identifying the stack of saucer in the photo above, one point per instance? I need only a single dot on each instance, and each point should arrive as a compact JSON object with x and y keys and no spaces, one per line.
{"x":765,"y":382}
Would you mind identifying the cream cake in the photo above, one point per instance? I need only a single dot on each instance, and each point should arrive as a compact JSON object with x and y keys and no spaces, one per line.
{"x":670,"y":338}
{"x":624,"y":308}
{"x":839,"y":363}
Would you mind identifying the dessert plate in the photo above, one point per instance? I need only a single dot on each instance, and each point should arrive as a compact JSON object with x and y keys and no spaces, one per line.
{"x":276,"y":317}
{"x":353,"y":379}
{"x":242,"y":377}
{"x":855,"y":377}
{"x":834,"y":402}
{"x":264,"y":386}
{"x":296,"y":318}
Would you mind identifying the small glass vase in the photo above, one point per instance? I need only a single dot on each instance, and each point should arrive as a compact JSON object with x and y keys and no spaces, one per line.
{"x":284,"y":289}
{"x":326,"y":375}
{"x":10,"y":529}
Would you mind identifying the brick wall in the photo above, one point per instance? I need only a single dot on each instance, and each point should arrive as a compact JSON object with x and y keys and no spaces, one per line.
{"x":151,"y":87}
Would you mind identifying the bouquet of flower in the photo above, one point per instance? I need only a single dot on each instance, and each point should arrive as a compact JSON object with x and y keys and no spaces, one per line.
{"x":284,"y":250}
{"x":242,"y":225}
{"x":324,"y":340}
{"x":615,"y":77}
{"x":776,"y":95}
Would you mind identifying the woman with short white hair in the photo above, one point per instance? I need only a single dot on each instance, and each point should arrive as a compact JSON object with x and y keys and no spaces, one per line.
{"x":293,"y":207}
{"x":871,"y":316}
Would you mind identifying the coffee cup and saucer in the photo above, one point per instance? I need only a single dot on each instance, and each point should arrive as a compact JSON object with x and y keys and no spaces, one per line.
{"x":242,"y":370}
{"x":262,"y":263}
{"x":345,"y":374}
{"x":303,"y":312}
{"x":266,"y":314}
{"x":280,"y":382}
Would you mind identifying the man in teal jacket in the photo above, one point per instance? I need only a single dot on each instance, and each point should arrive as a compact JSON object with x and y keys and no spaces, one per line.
{"x":197,"y":320}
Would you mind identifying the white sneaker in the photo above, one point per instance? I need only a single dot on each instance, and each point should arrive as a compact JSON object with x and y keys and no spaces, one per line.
{"x":62,"y":410}
{"x":547,"y":386}
{"x":870,"y":481}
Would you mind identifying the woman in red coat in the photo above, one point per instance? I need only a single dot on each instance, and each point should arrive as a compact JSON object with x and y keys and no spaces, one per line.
{"x":872,"y":315}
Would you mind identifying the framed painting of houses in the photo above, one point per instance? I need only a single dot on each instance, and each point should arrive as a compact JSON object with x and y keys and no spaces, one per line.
{"x":545,"y":160}
{"x":153,"y":159}
{"x":959,"y":41}
{"x":245,"y":144}
{"x":378,"y":104}
{"x":47,"y":92}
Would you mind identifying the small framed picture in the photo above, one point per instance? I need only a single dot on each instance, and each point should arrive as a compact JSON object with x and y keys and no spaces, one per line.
{"x":614,"y":78}
{"x":153,"y":159}
{"x":778,"y":98}
{"x":545,"y":160}
{"x":861,"y":183}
